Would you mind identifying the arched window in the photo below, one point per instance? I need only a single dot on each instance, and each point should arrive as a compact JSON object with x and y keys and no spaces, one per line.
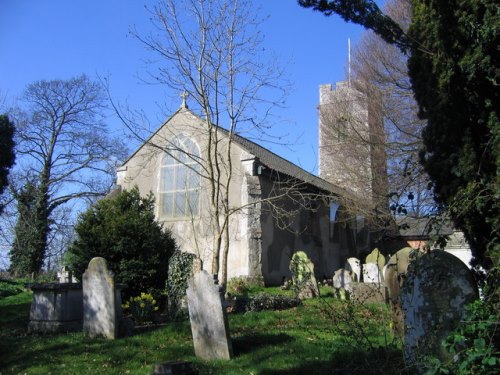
{"x":180,"y":181}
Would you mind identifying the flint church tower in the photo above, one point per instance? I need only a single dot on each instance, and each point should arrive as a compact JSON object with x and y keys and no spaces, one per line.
{"x":352,"y":142}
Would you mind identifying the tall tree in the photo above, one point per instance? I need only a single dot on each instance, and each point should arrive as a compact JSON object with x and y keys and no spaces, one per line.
{"x":7,"y":156}
{"x":211,"y":50}
{"x":380,"y":70}
{"x":64,"y":151}
{"x":454,"y":70}
{"x":24,"y":254}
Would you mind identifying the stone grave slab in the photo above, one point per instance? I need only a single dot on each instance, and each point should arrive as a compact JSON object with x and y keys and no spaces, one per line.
{"x":209,"y":325}
{"x":56,"y":307}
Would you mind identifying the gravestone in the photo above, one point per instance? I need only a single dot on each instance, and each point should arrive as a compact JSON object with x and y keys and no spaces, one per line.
{"x":101,"y":300}
{"x":368,"y":293}
{"x":438,"y":285}
{"x":394,"y":275}
{"x":372,"y":273}
{"x":304,"y":281}
{"x":209,"y":325}
{"x":376,"y":257}
{"x":342,"y":281}
{"x":354,"y":266}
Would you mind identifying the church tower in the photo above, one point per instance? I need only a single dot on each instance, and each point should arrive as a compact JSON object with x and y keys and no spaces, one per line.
{"x":352,"y":143}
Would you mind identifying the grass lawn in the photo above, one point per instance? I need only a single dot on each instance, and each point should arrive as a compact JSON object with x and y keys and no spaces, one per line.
{"x":324,"y":336}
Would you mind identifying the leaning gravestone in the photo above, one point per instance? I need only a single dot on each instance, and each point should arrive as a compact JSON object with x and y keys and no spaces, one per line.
{"x":354,"y":266}
{"x":101,"y":300}
{"x":433,"y":298}
{"x":342,"y":281}
{"x":304,"y":281}
{"x":209,"y":325}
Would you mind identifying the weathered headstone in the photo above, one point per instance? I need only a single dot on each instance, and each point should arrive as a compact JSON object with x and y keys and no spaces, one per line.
{"x":354,"y":266}
{"x":433,"y":298}
{"x":394,"y":275}
{"x":342,"y":281}
{"x":371,"y":273}
{"x":101,"y":300}
{"x":209,"y":325}
{"x":304,"y":281}
{"x":376,"y":257}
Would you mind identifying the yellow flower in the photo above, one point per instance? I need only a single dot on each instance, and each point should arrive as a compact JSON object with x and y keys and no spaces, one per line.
{"x":142,"y":305}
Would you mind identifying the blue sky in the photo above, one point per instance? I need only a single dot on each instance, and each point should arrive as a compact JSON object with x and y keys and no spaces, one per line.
{"x":59,"y":39}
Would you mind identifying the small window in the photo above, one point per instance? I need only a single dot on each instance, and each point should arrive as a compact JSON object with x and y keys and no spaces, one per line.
{"x":180,"y":181}
{"x":342,"y":128}
{"x":334,"y":227}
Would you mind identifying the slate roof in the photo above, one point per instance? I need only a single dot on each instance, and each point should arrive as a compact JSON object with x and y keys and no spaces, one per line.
{"x":281,"y":165}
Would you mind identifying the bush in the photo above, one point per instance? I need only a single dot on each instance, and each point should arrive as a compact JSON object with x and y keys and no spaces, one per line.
{"x":238,"y":286}
{"x":180,"y":269}
{"x":473,"y":347}
{"x":122,"y":229}
{"x":264,"y":301}
{"x":10,"y":288}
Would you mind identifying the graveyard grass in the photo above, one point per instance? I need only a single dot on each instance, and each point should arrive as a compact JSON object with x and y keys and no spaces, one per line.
{"x":302,"y":340}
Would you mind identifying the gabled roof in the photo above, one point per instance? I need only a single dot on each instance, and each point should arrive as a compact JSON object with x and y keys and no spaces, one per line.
{"x":275,"y":162}
{"x":265,"y":157}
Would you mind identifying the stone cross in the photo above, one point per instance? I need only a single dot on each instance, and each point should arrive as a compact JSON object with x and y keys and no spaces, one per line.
{"x":209,"y":325}
{"x":184,"y":96}
{"x":65,"y":275}
{"x":101,"y":300}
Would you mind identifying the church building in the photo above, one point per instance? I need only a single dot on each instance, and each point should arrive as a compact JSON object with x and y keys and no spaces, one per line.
{"x":271,"y":207}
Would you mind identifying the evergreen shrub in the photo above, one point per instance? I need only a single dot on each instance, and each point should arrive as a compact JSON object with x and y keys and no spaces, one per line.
{"x":122,"y":229}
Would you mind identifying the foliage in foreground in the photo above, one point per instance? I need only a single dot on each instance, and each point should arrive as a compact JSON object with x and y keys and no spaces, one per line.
{"x":293,"y":341}
{"x":123,"y":230}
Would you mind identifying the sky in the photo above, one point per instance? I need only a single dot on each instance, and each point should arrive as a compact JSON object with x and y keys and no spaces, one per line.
{"x":60,"y":39}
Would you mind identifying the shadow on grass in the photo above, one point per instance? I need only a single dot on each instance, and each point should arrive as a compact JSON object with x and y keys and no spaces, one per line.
{"x":349,"y":363}
{"x":249,"y":343}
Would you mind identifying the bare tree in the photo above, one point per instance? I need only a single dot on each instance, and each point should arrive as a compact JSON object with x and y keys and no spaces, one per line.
{"x":211,"y":50}
{"x":380,"y":91}
{"x":64,"y":153}
{"x":379,"y":65}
